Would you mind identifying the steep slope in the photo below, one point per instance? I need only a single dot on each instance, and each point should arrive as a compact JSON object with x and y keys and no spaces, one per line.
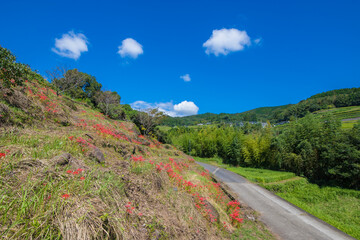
{"x":69,"y":172}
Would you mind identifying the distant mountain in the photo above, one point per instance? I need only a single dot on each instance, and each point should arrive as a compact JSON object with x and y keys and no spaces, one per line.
{"x":258,"y":114}
{"x":331,"y":99}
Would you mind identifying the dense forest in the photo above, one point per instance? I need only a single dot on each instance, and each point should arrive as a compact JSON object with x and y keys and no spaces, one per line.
{"x":327,"y":100}
{"x":317,"y":148}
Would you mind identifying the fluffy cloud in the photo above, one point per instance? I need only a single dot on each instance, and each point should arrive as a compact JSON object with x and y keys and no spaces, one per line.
{"x":224,"y":41}
{"x":186,"y":78}
{"x":185,"y":108}
{"x":71,"y":45}
{"x":130,"y":47}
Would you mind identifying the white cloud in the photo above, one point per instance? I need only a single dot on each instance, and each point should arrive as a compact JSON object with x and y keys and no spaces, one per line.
{"x":186,"y":78}
{"x":185,"y":108}
{"x":140,"y":105}
{"x":71,"y":45}
{"x":130,"y":47}
{"x":258,"y":40}
{"x":224,"y":41}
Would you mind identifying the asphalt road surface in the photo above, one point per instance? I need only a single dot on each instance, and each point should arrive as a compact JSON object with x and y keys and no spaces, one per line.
{"x":283,"y":218}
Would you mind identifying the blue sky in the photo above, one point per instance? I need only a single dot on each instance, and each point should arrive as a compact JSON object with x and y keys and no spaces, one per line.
{"x":232,"y":55}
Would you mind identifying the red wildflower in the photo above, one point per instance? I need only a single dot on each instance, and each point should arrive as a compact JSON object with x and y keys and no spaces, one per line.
{"x":129,"y":208}
{"x":75,"y":172}
{"x":82,"y":178}
{"x":69,"y":171}
{"x":65,"y":196}
{"x":158,"y":168}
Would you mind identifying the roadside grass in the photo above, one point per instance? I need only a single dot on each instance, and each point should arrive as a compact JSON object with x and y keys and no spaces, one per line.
{"x":248,"y":229}
{"x":216,"y":161}
{"x":261,"y":175}
{"x":253,"y":174}
{"x":336,"y":206}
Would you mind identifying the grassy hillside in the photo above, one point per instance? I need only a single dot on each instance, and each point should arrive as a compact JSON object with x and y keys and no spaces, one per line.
{"x":347,"y":115}
{"x":69,"y":172}
{"x":343,"y":113}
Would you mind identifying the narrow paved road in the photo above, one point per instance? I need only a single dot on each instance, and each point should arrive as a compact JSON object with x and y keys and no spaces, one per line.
{"x":284,"y":219}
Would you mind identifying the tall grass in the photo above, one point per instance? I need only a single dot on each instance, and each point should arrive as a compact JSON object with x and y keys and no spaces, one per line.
{"x":30,"y":207}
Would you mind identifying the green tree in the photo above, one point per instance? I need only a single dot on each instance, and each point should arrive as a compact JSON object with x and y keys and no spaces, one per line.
{"x":12,"y":72}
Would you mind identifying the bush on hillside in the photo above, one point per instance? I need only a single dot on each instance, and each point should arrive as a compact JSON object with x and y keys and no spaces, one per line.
{"x":14,"y":73}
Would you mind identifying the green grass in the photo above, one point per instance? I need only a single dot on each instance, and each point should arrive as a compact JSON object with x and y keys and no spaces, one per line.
{"x":336,"y":206}
{"x":164,"y":128}
{"x":261,"y":175}
{"x":348,"y":124}
{"x":213,"y":161}
{"x":28,"y":207}
{"x":253,"y":174}
{"x":342,"y":113}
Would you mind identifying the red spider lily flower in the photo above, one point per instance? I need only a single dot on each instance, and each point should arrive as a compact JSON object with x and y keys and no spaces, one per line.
{"x":65,"y":196}
{"x":129,"y":208}
{"x":79,"y":169}
{"x":71,"y":138}
{"x":69,"y":171}
{"x":75,"y":172}
{"x":2,"y":155}
{"x":82,"y":178}
{"x":140,"y":214}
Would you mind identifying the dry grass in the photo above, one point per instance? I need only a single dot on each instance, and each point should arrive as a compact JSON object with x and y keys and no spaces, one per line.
{"x":40,"y":199}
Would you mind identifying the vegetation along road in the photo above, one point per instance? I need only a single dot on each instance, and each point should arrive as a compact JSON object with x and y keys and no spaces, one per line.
{"x":283,"y":218}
